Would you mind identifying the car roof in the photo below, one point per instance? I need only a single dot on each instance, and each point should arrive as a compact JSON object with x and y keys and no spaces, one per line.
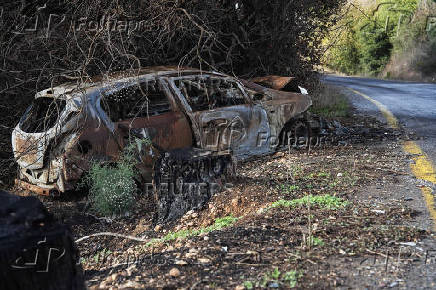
{"x":100,"y":81}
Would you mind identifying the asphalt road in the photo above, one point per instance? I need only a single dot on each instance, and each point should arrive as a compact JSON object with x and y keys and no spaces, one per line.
{"x":413,"y":104}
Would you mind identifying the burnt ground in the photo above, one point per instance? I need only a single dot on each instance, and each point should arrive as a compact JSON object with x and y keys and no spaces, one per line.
{"x":375,"y":240}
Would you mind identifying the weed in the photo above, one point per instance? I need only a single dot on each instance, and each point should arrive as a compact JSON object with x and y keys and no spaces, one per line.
{"x":320,"y":174}
{"x":291,"y":278}
{"x":314,"y":241}
{"x":330,"y":102}
{"x":112,"y":187}
{"x":323,"y":201}
{"x":275,"y":274}
{"x":101,"y":255}
{"x":248,"y":285}
{"x":293,"y":171}
{"x":219,"y":224}
{"x":324,"y":174}
{"x":278,"y":278}
{"x":288,"y":188}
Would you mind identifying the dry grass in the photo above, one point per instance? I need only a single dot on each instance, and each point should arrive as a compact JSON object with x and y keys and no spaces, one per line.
{"x":330,"y":102}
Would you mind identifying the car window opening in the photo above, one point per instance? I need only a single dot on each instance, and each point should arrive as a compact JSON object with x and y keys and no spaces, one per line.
{"x":43,"y":114}
{"x":136,"y":102}
{"x":205,"y":94}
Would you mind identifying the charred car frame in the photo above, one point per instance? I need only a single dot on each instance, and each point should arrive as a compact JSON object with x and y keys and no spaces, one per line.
{"x":206,"y":113}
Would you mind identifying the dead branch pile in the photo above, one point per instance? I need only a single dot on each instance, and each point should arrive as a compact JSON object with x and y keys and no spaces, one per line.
{"x":46,"y":42}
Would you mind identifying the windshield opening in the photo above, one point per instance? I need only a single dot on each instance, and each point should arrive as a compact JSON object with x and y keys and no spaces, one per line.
{"x":42,"y":115}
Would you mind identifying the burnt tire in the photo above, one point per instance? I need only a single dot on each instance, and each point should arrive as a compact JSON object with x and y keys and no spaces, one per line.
{"x":296,"y":134}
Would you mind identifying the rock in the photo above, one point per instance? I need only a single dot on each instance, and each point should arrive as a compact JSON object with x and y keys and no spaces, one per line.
{"x":114,"y":276}
{"x":181,"y":262}
{"x":393,"y":284}
{"x":132,"y":284}
{"x":131,"y":270}
{"x":339,"y":174}
{"x":102,"y":285}
{"x":174,"y":272}
{"x":206,"y":238}
{"x":157,"y":228}
{"x":235,"y":202}
{"x":204,"y":260}
{"x":108,"y":279}
{"x":190,"y":255}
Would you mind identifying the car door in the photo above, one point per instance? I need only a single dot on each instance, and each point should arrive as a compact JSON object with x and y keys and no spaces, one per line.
{"x":223,"y":115}
{"x":144,"y":109}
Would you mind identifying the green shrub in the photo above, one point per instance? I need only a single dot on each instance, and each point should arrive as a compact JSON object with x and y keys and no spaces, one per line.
{"x":220,"y":223}
{"x":363,"y":40}
{"x":112,"y":186}
{"x":323,"y":201}
{"x":375,"y":49}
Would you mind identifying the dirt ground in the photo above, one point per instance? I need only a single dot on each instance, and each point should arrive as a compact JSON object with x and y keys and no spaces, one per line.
{"x":366,"y":233}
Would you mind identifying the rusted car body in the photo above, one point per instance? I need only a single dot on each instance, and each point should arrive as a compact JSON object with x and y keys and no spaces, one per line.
{"x":71,"y":124}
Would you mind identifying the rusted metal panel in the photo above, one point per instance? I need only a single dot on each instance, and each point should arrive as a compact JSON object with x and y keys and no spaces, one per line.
{"x":273,"y":82}
{"x":36,"y":188}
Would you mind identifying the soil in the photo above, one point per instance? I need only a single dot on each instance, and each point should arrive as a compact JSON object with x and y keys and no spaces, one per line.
{"x":373,"y":242}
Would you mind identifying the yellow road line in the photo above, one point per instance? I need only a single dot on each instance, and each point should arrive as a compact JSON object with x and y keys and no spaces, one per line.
{"x":422,"y":168}
{"x":392,"y":121}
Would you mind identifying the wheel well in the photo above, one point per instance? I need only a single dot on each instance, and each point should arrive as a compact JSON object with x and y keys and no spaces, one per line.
{"x":289,"y":125}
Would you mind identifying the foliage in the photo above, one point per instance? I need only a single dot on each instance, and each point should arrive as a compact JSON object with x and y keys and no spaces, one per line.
{"x":291,"y":278}
{"x":322,"y":201}
{"x":375,"y":49}
{"x":220,"y":223}
{"x":316,"y":241}
{"x":248,"y":285}
{"x":288,"y":188}
{"x":363,"y":41}
{"x":112,"y":186}
{"x":288,"y":279}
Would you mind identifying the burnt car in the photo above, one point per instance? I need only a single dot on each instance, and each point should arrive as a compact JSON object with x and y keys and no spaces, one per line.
{"x":201,"y":115}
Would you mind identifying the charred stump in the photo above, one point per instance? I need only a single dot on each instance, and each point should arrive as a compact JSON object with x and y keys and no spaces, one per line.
{"x":36,"y":252}
{"x":186,"y":179}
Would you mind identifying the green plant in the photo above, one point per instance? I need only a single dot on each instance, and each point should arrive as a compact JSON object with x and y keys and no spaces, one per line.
{"x":375,"y":48}
{"x":219,"y":224}
{"x":288,"y":188}
{"x":248,"y":285}
{"x":330,"y":102}
{"x":323,"y":201}
{"x":291,"y":278}
{"x":101,"y":255}
{"x":365,"y":37}
{"x":112,"y":186}
{"x":317,"y":241}
{"x":324,"y":174}
{"x":275,"y":274}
